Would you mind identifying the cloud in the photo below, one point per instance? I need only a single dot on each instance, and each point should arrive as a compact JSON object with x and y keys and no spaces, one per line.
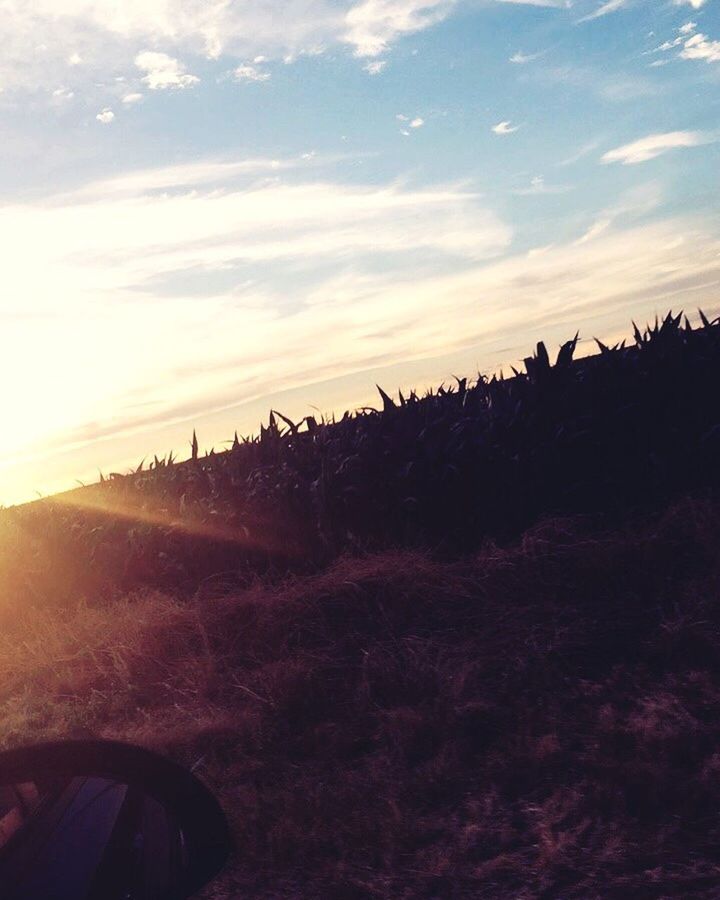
{"x":579,"y":154}
{"x":696,"y":4}
{"x":375,"y":67}
{"x":504,"y":128}
{"x":105,"y":35}
{"x":247,"y":72}
{"x":546,"y":4}
{"x":129,"y":99}
{"x":610,"y":7}
{"x":259,"y":254}
{"x":163,"y":72}
{"x":408,"y":123}
{"x":654,"y":145}
{"x":538,"y":187}
{"x":632,"y":205}
{"x":373,"y":25}
{"x":148,"y":183}
{"x":619,"y":89}
{"x":608,"y":85}
{"x":699,"y":46}
{"x":669,"y":45}
{"x":263,"y":283}
{"x":598,"y":227}
{"x":522,"y":59}
{"x":105,"y":116}
{"x":162,"y":222}
{"x":694,"y":45}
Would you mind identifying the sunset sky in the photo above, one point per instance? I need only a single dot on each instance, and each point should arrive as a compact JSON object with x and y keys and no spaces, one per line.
{"x":215,"y":207}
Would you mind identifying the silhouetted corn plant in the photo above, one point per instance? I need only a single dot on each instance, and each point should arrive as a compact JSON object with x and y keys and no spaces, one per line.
{"x":626,"y":429}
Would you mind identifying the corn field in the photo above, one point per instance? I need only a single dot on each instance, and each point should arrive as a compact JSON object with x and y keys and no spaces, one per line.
{"x":610,"y":435}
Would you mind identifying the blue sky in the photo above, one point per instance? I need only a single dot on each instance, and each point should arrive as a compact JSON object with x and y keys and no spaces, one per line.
{"x":212,"y":208}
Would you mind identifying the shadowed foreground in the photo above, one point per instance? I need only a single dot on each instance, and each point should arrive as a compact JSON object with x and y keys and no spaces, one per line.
{"x":541,"y":721}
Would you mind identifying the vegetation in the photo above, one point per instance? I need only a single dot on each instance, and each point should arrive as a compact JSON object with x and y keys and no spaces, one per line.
{"x":628,"y":429}
{"x":536,"y":721}
{"x":467,"y":645}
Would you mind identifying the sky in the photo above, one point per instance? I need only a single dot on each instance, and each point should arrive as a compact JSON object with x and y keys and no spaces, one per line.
{"x":212,"y":208}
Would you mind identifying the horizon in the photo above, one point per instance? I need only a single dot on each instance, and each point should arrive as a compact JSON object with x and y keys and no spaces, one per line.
{"x":204,"y":219}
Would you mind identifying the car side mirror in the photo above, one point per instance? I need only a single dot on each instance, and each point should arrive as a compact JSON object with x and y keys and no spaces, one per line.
{"x":104,"y":820}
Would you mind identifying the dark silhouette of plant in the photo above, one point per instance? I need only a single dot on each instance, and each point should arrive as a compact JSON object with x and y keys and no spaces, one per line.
{"x":625,"y":430}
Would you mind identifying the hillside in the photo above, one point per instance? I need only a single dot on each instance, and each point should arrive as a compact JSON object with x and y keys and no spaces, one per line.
{"x":466,"y":645}
{"x":539,"y":721}
{"x":615,"y":434}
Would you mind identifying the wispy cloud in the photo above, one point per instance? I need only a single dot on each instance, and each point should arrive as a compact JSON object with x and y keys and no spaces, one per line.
{"x":160,"y":222}
{"x":373,"y":25}
{"x":613,"y":87}
{"x":375,"y":67}
{"x":149,"y":183}
{"x":610,"y":6}
{"x":632,"y":205}
{"x":522,"y":59}
{"x":258,"y":254}
{"x":598,"y":228}
{"x":655,"y":145}
{"x":583,"y":151}
{"x":547,"y":4}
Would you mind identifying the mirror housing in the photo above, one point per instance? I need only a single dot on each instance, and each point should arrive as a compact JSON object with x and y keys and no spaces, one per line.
{"x":201,"y":831}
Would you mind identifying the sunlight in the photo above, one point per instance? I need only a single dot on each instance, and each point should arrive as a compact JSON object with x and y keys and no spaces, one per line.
{"x":360,"y":438}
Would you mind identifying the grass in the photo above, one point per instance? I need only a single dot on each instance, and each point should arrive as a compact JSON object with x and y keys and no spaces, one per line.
{"x":466,"y":645}
{"x":535,"y":720}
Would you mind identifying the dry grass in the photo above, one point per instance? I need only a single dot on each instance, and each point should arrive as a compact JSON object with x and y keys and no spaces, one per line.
{"x":539,"y":721}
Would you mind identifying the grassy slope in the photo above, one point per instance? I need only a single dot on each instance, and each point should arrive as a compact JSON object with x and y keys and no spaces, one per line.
{"x":535,"y":721}
{"x":540,"y":719}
